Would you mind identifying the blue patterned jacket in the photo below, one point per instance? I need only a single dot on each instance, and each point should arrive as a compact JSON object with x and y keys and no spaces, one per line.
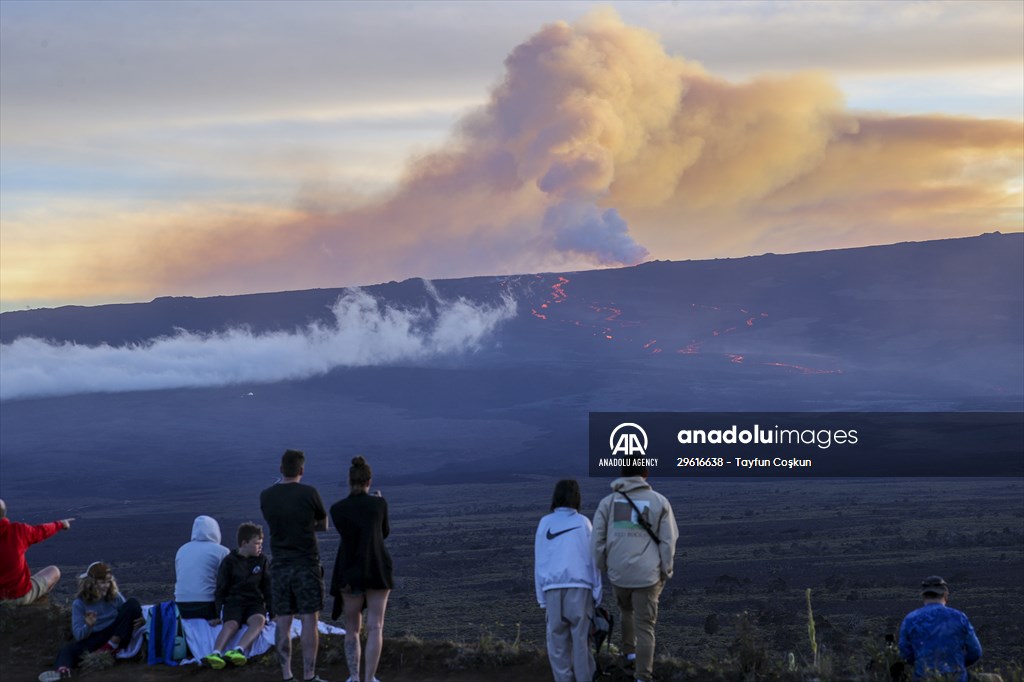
{"x":938,"y":640}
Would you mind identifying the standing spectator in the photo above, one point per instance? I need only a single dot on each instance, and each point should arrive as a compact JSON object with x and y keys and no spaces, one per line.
{"x":195,"y":570}
{"x":634,"y":540}
{"x":940,"y":641}
{"x":363,"y":570}
{"x":18,"y":586}
{"x":568,"y":584}
{"x":295,"y":512}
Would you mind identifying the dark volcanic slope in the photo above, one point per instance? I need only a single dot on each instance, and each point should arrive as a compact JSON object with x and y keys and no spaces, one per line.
{"x":961,"y":286}
{"x":946,"y":311}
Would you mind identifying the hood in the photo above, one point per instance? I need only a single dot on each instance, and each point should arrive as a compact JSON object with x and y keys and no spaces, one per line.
{"x":206,"y":529}
{"x":630,"y":483}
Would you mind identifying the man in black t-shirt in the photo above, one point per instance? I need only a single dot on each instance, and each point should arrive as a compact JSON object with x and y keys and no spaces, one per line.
{"x":295,"y":512}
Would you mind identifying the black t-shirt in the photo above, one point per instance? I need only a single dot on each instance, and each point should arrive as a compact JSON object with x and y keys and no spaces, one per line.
{"x":292,"y":511}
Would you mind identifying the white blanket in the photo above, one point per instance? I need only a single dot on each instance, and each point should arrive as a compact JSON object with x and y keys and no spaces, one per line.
{"x":201,"y":637}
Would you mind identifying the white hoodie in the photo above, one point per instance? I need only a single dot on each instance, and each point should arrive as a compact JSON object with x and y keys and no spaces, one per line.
{"x":196,"y":563}
{"x":562,"y":556}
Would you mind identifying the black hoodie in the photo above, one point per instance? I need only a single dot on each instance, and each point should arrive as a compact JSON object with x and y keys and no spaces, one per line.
{"x":243,"y":581}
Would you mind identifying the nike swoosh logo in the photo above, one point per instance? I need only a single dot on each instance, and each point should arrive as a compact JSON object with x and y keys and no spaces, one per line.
{"x":552,"y":536}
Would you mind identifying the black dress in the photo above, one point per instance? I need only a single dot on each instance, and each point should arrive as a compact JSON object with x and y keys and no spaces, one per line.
{"x":363,"y":562}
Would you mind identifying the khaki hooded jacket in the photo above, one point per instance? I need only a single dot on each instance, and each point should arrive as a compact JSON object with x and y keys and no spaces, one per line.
{"x":620,"y":544}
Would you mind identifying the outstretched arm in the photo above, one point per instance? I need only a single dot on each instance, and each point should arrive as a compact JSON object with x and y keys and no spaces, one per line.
{"x":34,"y":534}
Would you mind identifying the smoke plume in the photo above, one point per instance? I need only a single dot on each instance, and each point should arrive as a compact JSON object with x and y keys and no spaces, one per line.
{"x":365,"y":332}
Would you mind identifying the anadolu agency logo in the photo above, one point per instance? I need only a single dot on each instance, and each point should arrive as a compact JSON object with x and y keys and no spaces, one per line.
{"x":628,"y":439}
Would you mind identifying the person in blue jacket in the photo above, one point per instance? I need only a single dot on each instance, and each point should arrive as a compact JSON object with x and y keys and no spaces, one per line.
{"x":101,"y":619}
{"x":940,"y":641}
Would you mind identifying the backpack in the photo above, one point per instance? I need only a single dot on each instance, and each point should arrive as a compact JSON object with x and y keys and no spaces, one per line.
{"x":167,"y":643}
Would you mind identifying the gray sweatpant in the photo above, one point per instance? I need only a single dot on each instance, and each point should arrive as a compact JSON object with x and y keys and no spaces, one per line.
{"x":569,"y":613}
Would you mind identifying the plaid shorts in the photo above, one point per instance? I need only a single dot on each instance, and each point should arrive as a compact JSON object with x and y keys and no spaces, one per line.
{"x":296,"y":589}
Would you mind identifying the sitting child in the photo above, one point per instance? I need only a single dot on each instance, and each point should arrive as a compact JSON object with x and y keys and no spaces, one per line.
{"x":243,"y":590}
{"x":101,"y":619}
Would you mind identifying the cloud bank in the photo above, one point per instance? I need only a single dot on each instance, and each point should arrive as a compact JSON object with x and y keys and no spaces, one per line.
{"x":365,"y":332}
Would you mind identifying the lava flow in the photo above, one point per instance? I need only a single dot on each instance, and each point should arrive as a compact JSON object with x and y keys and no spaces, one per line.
{"x":558,"y":295}
{"x":610,"y":320}
{"x":558,"y":290}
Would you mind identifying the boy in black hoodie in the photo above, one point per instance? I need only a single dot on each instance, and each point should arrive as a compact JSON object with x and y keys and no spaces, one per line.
{"x":243,"y":591}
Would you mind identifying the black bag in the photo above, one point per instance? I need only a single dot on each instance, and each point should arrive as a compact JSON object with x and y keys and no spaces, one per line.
{"x":601,"y":626}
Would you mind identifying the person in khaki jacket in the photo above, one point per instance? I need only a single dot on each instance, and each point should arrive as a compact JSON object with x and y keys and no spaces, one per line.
{"x":634,"y":540}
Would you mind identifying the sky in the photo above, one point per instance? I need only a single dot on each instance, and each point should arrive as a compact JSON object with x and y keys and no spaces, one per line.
{"x":207,"y":148}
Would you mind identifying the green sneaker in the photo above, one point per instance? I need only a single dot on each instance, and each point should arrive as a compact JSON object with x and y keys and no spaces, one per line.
{"x":235,"y":657}
{"x":214,"y":660}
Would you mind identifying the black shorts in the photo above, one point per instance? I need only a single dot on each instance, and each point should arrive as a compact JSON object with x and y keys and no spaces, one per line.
{"x":206,"y":610}
{"x":241,"y":614}
{"x":296,"y":589}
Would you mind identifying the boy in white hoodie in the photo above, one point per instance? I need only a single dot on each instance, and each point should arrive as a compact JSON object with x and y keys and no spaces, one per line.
{"x":568,"y":584}
{"x":195,"y":568}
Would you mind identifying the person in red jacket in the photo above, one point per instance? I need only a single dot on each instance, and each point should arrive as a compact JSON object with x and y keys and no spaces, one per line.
{"x":17,"y":584}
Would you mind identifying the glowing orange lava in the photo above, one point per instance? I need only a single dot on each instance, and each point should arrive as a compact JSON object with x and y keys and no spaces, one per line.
{"x":557,"y":296}
{"x":558,"y":290}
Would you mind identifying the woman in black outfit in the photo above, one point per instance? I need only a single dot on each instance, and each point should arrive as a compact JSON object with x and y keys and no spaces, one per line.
{"x":362,"y":572}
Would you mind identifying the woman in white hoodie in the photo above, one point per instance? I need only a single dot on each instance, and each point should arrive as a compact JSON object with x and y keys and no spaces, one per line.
{"x":195,"y":568}
{"x":568,"y":584}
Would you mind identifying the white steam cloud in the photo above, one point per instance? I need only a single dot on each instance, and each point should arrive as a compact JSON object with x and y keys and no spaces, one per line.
{"x":365,"y":332}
